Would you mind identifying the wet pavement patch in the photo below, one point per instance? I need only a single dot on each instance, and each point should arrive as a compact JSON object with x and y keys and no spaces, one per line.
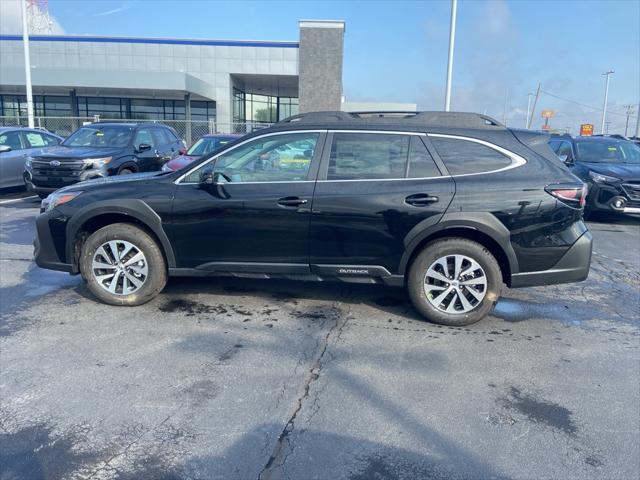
{"x":540,"y":411}
{"x":191,"y":308}
{"x":34,"y":453}
{"x":18,"y":232}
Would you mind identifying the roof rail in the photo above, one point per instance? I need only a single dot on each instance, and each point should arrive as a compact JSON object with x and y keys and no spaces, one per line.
{"x":434,"y":119}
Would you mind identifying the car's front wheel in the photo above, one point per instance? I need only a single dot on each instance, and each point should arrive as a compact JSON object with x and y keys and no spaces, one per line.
{"x":454,"y":281}
{"x":123,"y":265}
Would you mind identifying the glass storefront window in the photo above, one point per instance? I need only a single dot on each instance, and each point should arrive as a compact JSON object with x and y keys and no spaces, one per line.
{"x":109,"y":108}
{"x":252,"y":107}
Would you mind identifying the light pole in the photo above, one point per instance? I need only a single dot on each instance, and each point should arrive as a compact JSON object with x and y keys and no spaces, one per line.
{"x":526,"y":120}
{"x":27,"y":64}
{"x":629,"y":112}
{"x":452,"y":39}
{"x":606,"y":96}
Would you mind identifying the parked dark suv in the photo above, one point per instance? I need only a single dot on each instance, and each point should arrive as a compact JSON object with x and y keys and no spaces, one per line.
{"x":609,"y":166}
{"x":100,"y":150}
{"x":450,"y":205}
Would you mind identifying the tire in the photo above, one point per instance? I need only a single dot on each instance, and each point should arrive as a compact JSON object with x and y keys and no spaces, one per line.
{"x":422,"y":282}
{"x":137,"y":283}
{"x":125,"y":171}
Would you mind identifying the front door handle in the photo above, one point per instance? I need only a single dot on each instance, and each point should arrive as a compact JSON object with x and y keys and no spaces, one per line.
{"x":421,"y":199}
{"x":291,"y":201}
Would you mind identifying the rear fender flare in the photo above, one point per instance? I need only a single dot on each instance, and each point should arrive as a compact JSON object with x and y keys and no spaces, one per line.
{"x":483,"y":222}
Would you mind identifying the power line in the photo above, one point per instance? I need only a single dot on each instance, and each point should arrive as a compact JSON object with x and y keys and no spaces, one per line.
{"x":579,"y":103}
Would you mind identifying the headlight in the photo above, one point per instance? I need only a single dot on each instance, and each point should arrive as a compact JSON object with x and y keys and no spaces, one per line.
{"x":600,"y":178}
{"x":166,"y":168}
{"x":96,"y":162}
{"x":56,"y":199}
{"x":28,"y":162}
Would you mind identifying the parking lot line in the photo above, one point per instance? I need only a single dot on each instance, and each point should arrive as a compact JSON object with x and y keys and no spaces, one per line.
{"x":13,"y":200}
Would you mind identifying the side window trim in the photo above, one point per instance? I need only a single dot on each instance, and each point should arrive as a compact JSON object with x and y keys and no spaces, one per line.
{"x":313,"y":168}
{"x":516,"y":160}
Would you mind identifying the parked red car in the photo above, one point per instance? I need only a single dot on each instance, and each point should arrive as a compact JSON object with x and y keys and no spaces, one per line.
{"x":204,"y":146}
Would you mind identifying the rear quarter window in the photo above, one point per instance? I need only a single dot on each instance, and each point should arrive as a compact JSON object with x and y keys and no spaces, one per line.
{"x":463,"y":157}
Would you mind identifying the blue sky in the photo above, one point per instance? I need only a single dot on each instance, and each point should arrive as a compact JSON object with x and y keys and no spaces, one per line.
{"x":396,"y":51}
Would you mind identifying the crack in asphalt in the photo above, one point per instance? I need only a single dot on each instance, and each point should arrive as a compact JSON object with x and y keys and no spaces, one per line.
{"x":283,"y":448}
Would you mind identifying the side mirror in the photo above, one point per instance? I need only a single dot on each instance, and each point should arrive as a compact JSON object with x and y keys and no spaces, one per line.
{"x":213,"y":182}
{"x":143,"y":147}
{"x":207,"y":177}
{"x":182,"y":151}
{"x":563,"y":158}
{"x":5,"y":148}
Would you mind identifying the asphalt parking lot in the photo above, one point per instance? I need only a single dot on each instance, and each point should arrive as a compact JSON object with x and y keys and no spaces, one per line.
{"x":248,"y":379}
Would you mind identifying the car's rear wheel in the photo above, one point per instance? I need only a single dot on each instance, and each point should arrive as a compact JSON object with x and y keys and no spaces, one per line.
{"x":123,"y":265}
{"x":454,"y":281}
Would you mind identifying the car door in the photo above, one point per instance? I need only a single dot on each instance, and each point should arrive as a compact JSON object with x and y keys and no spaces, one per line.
{"x":372,"y":190}
{"x":253,"y":214}
{"x":12,"y":161}
{"x":148,"y":158}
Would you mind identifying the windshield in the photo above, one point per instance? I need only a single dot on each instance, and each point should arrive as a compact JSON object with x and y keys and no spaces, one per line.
{"x":101,"y":136}
{"x":207,"y":145}
{"x":607,"y":151}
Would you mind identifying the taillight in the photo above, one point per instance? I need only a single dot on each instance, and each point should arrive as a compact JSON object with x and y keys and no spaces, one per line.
{"x":574,"y":195}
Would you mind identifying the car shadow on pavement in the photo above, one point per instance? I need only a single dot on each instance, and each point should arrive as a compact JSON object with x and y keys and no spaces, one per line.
{"x":393,"y":300}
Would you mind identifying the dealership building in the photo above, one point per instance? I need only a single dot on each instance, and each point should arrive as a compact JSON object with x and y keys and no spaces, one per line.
{"x":226,"y":83}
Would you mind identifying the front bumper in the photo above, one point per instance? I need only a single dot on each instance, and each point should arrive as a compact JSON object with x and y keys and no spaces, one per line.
{"x":604,"y":197}
{"x":48,"y":249}
{"x":573,"y":266}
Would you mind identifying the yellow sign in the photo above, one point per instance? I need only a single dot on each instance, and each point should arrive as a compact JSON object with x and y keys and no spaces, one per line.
{"x":586,"y":130}
{"x":548,"y":114}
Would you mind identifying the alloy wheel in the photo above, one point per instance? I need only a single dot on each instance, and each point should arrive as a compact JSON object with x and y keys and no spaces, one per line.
{"x":455,"y":284}
{"x":120,"y":267}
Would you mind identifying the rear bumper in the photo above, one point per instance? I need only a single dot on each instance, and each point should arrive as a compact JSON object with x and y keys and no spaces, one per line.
{"x":572,"y":267}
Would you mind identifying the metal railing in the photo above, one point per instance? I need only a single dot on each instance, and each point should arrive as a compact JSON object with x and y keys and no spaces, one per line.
{"x":188,"y":130}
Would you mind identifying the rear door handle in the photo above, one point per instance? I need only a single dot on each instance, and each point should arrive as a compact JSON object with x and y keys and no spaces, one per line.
{"x":420,"y":199}
{"x":291,"y":201}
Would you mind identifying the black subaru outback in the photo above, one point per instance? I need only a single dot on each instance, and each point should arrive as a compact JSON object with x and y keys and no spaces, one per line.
{"x":99,"y":150}
{"x":450,"y":205}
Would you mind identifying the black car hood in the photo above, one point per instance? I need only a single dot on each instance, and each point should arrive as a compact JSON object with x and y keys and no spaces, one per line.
{"x":96,"y":182}
{"x":623,"y":171}
{"x":62,"y":152}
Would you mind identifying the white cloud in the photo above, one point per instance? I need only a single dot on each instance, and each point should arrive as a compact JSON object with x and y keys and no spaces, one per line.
{"x":11,"y":19}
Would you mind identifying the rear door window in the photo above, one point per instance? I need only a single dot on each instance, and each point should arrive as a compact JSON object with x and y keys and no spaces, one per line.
{"x":421,"y":164}
{"x":362,"y":156}
{"x":462,"y":156}
{"x":144,"y":136}
{"x":12,"y":139}
{"x":37,"y":139}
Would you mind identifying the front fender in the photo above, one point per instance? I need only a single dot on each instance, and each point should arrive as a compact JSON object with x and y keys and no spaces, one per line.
{"x":136,"y":209}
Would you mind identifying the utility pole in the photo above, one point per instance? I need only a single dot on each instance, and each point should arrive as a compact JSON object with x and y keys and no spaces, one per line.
{"x":606,"y":97}
{"x":27,"y":63}
{"x":533,"y":109}
{"x":452,"y":39}
{"x":629,"y":112}
{"x":606,"y":129}
{"x":638,"y":123}
{"x":526,"y":120}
